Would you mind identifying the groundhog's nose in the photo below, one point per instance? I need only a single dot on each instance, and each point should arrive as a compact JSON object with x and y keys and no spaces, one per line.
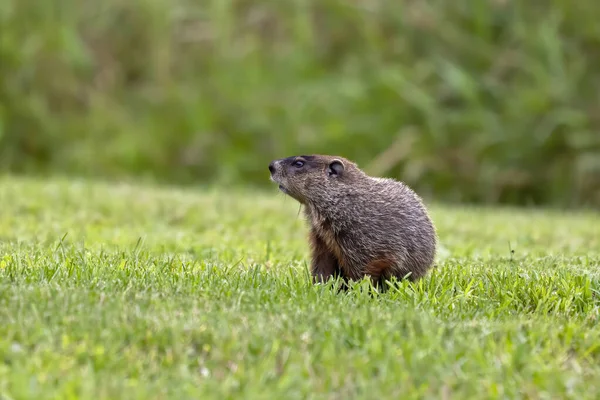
{"x":272,"y":167}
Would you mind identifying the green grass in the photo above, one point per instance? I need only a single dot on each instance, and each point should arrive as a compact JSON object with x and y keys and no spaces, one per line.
{"x":119,"y":291}
{"x":469,"y":101}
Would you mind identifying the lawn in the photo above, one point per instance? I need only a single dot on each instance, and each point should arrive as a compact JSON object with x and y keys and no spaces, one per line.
{"x":115,"y":291}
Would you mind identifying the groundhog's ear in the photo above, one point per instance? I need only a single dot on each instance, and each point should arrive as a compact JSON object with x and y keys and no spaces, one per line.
{"x":335,"y":168}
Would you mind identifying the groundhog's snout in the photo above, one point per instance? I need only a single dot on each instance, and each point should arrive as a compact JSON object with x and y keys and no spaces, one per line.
{"x":275,"y":170}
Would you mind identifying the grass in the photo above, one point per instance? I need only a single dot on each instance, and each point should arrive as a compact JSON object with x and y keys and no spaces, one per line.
{"x":121,"y":291}
{"x":490,"y":101}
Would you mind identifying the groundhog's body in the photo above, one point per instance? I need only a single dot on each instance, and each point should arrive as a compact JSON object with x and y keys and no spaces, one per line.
{"x":359,"y":225}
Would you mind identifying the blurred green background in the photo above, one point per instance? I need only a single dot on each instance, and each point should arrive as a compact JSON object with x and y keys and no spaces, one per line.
{"x":487,"y":101}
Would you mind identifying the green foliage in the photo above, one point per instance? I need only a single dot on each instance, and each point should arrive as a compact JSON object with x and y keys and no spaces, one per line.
{"x":112,"y":292}
{"x":479,"y":101}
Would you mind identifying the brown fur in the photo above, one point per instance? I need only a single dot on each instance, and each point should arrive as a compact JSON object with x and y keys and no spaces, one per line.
{"x":359,"y":225}
{"x":324,"y":263}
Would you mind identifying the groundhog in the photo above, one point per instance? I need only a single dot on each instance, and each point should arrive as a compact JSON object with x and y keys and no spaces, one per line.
{"x":359,"y":225}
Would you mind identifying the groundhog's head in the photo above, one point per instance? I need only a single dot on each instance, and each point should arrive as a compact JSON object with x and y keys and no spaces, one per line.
{"x":311,"y":178}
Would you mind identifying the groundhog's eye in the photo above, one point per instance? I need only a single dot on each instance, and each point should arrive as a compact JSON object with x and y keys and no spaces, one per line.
{"x":298,"y":163}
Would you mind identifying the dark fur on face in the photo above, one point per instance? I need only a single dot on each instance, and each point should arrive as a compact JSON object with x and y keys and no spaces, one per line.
{"x":298,"y":176}
{"x":359,"y":225}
